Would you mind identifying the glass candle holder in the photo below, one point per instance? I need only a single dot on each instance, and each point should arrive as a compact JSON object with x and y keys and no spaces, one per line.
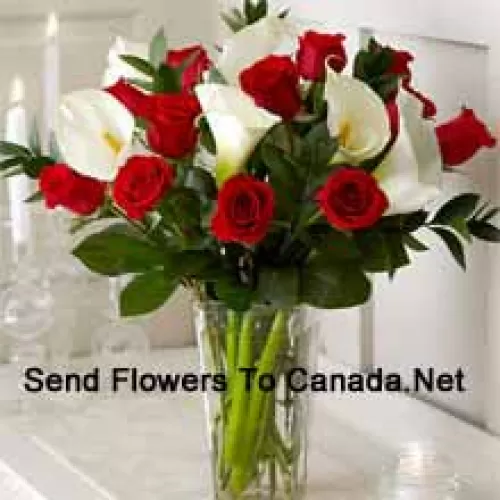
{"x":419,"y":473}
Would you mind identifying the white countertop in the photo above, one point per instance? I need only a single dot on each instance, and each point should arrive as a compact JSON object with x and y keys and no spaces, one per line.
{"x":143,"y":447}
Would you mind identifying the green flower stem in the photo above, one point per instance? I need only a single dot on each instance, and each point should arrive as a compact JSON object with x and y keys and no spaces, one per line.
{"x":237,"y":414}
{"x":231,"y":343}
{"x":242,"y":472}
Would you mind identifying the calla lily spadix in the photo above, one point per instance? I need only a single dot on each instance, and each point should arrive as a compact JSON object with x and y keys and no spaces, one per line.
{"x":94,"y":132}
{"x":357,"y":116}
{"x":251,"y":44}
{"x":411,"y":174}
{"x":117,"y":68}
{"x":236,"y":124}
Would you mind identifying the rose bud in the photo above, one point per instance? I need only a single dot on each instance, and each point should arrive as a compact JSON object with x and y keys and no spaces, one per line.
{"x":192,"y":73}
{"x":141,"y":183}
{"x":172,"y":130}
{"x":400,"y":66}
{"x":461,"y":138}
{"x":245,"y":208}
{"x":62,"y":187}
{"x":315,"y":50}
{"x":132,"y":98}
{"x":351,"y":199}
{"x":273,"y":83}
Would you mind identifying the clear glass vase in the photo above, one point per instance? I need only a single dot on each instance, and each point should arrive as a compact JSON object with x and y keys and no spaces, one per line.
{"x":257,"y":406}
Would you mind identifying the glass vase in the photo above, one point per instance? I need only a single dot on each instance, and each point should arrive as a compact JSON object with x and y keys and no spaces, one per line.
{"x":257,"y":406}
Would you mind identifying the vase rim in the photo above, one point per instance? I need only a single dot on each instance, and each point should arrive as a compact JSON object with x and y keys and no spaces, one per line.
{"x":254,"y":306}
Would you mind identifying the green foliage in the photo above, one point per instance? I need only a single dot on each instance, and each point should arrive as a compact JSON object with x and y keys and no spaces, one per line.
{"x":252,"y":12}
{"x":372,"y":65}
{"x":460,"y":207}
{"x":453,"y":244}
{"x":278,"y":286}
{"x":146,"y":293}
{"x":158,"y":48}
{"x":333,"y":286}
{"x":19,"y":160}
{"x":118,"y":250}
{"x":139,"y":64}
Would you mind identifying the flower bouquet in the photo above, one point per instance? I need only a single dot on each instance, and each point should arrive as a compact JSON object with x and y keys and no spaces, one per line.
{"x":262,"y":179}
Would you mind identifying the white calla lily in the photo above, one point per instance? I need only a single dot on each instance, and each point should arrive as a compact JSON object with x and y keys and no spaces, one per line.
{"x":411,"y":174}
{"x":251,"y":44}
{"x":357,"y":116}
{"x":117,"y":68}
{"x":94,"y":133}
{"x":237,"y":124}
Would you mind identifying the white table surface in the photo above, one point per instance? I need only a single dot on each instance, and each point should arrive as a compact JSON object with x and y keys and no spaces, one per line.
{"x":137,"y":447}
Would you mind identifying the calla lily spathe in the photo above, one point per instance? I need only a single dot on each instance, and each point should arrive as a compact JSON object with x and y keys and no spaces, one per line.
{"x":411,"y":174}
{"x":251,"y":44}
{"x":357,"y":116}
{"x":94,"y":132}
{"x":117,"y":68}
{"x":236,"y":123}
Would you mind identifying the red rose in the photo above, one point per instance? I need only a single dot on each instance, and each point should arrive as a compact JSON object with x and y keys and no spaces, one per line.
{"x":393,"y":113}
{"x":245,"y":208}
{"x":62,"y":187}
{"x":273,"y":83}
{"x":141,"y":183}
{"x":192,"y":73}
{"x":172,"y":130}
{"x":461,"y":138}
{"x":133,"y":99}
{"x":401,"y":67}
{"x":315,"y":49}
{"x":351,"y":199}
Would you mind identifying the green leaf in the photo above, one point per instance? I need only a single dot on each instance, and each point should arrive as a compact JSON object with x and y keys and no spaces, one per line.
{"x":320,"y":147}
{"x":139,"y":64}
{"x":236,"y":296}
{"x":146,"y":293}
{"x":484,"y":231}
{"x":459,"y":224}
{"x":279,"y":287}
{"x":181,"y":211}
{"x":414,"y":244}
{"x":382,"y":251}
{"x":255,"y":12}
{"x":207,"y":138}
{"x":35,"y":197}
{"x":284,"y":13}
{"x":13,"y":149}
{"x":199,"y":264}
{"x":202,"y":182}
{"x":490,"y":214}
{"x":337,"y":247}
{"x":215,"y":76}
{"x":167,"y":80}
{"x":117,"y":250}
{"x":334,"y":286}
{"x":414,"y":221}
{"x":158,"y":48}
{"x":146,"y":85}
{"x":462,"y":206}
{"x":10,"y":162}
{"x":13,"y":172}
{"x":374,"y":251}
{"x":454,"y":245}
{"x":33,"y":167}
{"x":234,"y":19}
{"x":34,"y":139}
